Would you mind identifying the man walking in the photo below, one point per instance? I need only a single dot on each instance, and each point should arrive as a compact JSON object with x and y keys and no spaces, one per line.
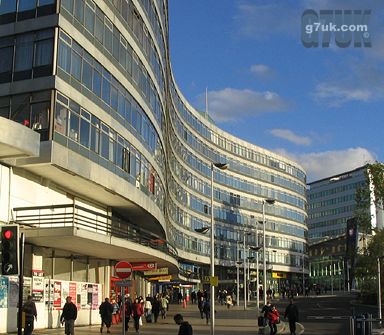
{"x":106,"y":310}
{"x":185,"y":327}
{"x":29,"y":308}
{"x":68,"y":316}
{"x":292,"y":313}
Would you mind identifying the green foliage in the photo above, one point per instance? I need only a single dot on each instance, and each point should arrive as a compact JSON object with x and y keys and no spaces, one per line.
{"x":366,"y":261}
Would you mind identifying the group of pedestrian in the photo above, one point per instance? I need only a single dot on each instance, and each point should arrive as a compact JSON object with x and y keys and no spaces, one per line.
{"x":272,"y":317}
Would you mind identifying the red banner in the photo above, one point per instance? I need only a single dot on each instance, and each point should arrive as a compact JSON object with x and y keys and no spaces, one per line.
{"x":143,"y":266}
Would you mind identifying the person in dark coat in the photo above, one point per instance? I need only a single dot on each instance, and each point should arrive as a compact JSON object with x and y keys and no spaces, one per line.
{"x":137,"y":312}
{"x":29,"y":308}
{"x":156,"y":308}
{"x":128,"y":311}
{"x":185,"y":327}
{"x":207,"y":310}
{"x":68,"y":316}
{"x":106,"y":310}
{"x":292,"y":313}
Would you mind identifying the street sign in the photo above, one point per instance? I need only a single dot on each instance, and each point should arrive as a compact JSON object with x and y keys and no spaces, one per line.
{"x":123,"y":283}
{"x":123,"y":270}
{"x":214,"y":281}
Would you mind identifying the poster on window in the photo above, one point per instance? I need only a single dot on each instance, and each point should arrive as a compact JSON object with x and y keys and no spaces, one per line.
{"x":72,"y":291}
{"x":27,"y":287}
{"x":57,"y":294}
{"x":3,"y":292}
{"x":49,"y":293}
{"x":83,"y":294}
{"x":95,"y":296}
{"x":65,"y":291}
{"x":13,"y":297}
{"x":37,"y":288}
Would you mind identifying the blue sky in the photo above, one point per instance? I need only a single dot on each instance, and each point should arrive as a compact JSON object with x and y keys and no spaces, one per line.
{"x":322,"y":107}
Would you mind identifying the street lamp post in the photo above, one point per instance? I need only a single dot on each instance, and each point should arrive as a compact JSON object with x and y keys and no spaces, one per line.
{"x":245,"y":275}
{"x":270,"y":202}
{"x":237,"y":274}
{"x":379,"y":289}
{"x":221,"y":166}
{"x":257,"y":249}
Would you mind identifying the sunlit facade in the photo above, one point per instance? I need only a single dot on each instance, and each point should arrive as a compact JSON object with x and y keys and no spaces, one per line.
{"x":103,"y":159}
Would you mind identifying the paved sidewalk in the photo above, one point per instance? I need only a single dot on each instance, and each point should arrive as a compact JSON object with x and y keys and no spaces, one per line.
{"x":228,"y":322}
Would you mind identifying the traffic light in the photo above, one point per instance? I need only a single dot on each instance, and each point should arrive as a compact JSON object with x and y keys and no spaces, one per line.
{"x":10,"y":250}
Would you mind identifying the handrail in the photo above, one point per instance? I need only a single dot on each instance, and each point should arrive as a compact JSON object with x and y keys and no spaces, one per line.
{"x":67,"y":215}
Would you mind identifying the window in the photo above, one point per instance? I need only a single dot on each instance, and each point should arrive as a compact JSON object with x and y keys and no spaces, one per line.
{"x":73,"y":126}
{"x":99,"y":25}
{"x":108,"y":34}
{"x":43,"y":54}
{"x":79,"y":10}
{"x":95,"y":134}
{"x":85,"y":127}
{"x":7,"y":11}
{"x":23,"y":57}
{"x":6,"y":60}
{"x":61,"y":119}
{"x":26,"y":9}
{"x":20,"y":110}
{"x":89,"y":16}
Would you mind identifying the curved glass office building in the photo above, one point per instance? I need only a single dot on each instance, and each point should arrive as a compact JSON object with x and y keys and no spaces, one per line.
{"x":102,"y":159}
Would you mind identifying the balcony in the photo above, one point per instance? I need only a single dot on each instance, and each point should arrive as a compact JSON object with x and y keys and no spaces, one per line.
{"x":80,"y":230}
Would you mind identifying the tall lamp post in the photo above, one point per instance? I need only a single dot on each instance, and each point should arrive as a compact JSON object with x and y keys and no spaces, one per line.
{"x":269,"y":202}
{"x":379,"y":289}
{"x":238,"y":263}
{"x":257,"y":249}
{"x":203,"y":230}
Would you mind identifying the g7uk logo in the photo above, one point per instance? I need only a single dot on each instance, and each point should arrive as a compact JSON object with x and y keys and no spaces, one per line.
{"x":346,"y":26}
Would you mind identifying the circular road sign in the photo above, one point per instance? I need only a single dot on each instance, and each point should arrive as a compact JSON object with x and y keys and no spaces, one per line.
{"x":123,"y":270}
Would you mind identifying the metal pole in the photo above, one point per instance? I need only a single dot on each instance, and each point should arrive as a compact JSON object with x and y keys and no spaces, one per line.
{"x":245,"y":275}
{"x":212,"y":259}
{"x":303,"y":275}
{"x":21,"y":284}
{"x":122,"y":292}
{"x":257,"y":269}
{"x":237,"y":275}
{"x":379,"y":289}
{"x":264,"y":260}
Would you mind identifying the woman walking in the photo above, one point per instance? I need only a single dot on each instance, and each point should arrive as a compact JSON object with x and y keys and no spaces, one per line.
{"x":137,"y":312}
{"x":274,"y":318}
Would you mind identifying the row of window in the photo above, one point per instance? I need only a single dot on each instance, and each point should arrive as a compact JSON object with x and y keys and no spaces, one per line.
{"x":31,"y":110}
{"x":228,"y":252}
{"x":333,"y":201}
{"x":26,"y":56}
{"x":19,"y":10}
{"x":80,"y":126}
{"x":335,"y":190}
{"x":328,"y":223}
{"x":234,"y":182}
{"x":222,"y":196}
{"x":76,"y":61}
{"x":226,"y":215}
{"x":215,"y":156}
{"x":107,"y":34}
{"x":229,"y":145}
{"x":128,"y":12}
{"x":333,"y":211}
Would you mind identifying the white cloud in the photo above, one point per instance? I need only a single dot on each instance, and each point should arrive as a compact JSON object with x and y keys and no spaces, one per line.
{"x":336,"y":94}
{"x":320,"y":165}
{"x":230,"y":104}
{"x":261,"y":70}
{"x":290,"y":136}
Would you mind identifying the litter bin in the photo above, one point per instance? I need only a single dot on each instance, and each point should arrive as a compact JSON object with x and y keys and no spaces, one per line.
{"x":360,"y":325}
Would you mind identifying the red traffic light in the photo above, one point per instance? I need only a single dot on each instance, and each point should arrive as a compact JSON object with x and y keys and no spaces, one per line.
{"x":8,"y":234}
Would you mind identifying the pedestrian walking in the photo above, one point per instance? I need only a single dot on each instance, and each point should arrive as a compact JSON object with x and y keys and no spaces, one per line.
{"x":274,"y":319}
{"x":185,"y":327}
{"x":292,"y":313}
{"x":200,"y":305}
{"x":137,"y":312}
{"x":148,"y":309}
{"x":29,"y":308}
{"x":69,"y":316}
{"x":128,"y":311}
{"x":265,"y":310}
{"x":156,"y":307}
{"x":207,"y":310}
{"x":164,"y":306}
{"x":115,"y":312}
{"x":105,"y":311}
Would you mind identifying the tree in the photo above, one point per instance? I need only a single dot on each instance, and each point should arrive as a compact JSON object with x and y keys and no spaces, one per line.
{"x":366,"y":263}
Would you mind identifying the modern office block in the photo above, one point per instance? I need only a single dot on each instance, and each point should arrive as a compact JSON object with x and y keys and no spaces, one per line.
{"x":102,"y":159}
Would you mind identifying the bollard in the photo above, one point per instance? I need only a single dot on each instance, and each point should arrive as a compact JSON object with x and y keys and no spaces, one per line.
{"x":351,"y":326}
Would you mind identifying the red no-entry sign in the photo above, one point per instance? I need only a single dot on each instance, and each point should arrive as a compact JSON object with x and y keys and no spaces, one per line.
{"x":123,"y":270}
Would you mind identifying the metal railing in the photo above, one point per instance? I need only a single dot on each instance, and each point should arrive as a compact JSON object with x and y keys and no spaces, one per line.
{"x":74,"y":215}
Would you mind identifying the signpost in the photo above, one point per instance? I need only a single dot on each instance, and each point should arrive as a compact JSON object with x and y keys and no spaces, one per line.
{"x":123,"y":270}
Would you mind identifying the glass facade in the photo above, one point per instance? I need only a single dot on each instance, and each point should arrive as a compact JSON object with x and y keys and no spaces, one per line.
{"x":104,"y":90}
